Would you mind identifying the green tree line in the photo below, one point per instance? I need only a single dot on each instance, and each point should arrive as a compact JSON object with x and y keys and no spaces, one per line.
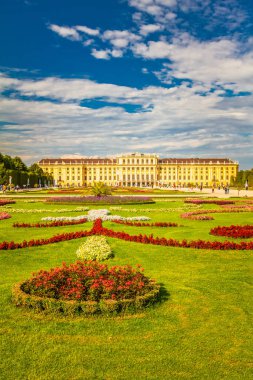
{"x":242,"y":177}
{"x":15,"y":172}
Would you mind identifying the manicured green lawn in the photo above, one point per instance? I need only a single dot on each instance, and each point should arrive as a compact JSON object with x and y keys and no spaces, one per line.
{"x":202,"y":329}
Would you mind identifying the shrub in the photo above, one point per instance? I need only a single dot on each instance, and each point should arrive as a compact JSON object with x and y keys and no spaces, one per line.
{"x":87,"y":287}
{"x":100,"y":189}
{"x":94,"y":248}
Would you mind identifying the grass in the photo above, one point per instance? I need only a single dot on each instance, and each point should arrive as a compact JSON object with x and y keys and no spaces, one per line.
{"x":202,"y":329}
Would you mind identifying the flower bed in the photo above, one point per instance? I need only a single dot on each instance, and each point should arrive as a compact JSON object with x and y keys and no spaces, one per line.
{"x":52,"y":224}
{"x":110,"y":199}
{"x":87,"y":287}
{"x":209,"y":201}
{"x":4,"y":215}
{"x":136,"y":224}
{"x":163,"y":210}
{"x":35,"y":211}
{"x":92,"y":215}
{"x":5,"y":245}
{"x":233,"y":231}
{"x":98,"y":229}
{"x":4,"y":202}
{"x":192,"y":214}
{"x":94,"y":248}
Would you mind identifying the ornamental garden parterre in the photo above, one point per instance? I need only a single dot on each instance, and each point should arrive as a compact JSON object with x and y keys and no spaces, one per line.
{"x":89,"y":288}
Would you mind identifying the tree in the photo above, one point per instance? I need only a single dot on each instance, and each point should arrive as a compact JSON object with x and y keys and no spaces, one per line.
{"x":19,"y":164}
{"x":34,"y":168}
{"x":100,"y":189}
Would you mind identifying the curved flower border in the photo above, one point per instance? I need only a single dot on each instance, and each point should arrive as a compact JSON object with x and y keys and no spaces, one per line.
{"x":233,"y":231}
{"x":98,"y":229}
{"x":59,"y":223}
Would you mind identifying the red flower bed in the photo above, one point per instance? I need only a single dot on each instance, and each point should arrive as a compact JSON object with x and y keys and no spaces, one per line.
{"x":4,"y":202}
{"x":5,"y":245}
{"x":98,"y":229}
{"x":89,"y":281}
{"x":141,"y":224}
{"x":233,"y":231}
{"x":4,"y":215}
{"x":58,"y":223}
{"x":209,"y":201}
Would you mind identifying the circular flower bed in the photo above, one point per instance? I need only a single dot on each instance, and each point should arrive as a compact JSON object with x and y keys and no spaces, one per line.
{"x":87,"y":287}
{"x":109,"y":199}
{"x":233,"y":231}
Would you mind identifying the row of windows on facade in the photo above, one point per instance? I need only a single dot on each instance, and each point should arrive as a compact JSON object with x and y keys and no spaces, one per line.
{"x":147,"y":169}
{"x":133,"y":177}
{"x":137,"y":161}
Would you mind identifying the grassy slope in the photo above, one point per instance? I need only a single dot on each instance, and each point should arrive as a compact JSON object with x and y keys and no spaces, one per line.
{"x":202,"y":329}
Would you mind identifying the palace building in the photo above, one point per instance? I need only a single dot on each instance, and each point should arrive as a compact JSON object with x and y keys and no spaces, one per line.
{"x":141,"y":170}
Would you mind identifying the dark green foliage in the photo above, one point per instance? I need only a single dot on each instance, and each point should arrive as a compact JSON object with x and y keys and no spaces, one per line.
{"x":19,"y":173}
{"x":242,"y":177}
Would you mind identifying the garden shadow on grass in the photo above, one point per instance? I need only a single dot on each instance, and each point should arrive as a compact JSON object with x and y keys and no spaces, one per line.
{"x":164,"y":295}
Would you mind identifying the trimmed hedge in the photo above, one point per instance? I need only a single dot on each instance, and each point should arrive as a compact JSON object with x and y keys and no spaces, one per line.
{"x":86,"y":308}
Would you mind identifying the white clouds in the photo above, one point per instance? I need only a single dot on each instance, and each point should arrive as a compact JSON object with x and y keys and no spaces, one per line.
{"x":89,"y":31}
{"x":220,"y":62}
{"x":65,"y":32}
{"x":117,"y":53}
{"x":155,"y":8}
{"x":120,"y":38}
{"x":150,"y":28}
{"x":152,"y":50}
{"x":179,"y":119}
{"x":100,"y":54}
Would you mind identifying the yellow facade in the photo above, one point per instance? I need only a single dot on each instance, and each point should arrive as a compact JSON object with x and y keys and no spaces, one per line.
{"x":141,"y":170}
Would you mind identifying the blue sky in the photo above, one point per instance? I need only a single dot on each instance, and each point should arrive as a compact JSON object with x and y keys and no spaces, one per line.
{"x":99,"y":78}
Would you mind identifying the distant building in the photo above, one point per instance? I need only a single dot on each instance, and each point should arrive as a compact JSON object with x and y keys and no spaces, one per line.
{"x":142,"y":170}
